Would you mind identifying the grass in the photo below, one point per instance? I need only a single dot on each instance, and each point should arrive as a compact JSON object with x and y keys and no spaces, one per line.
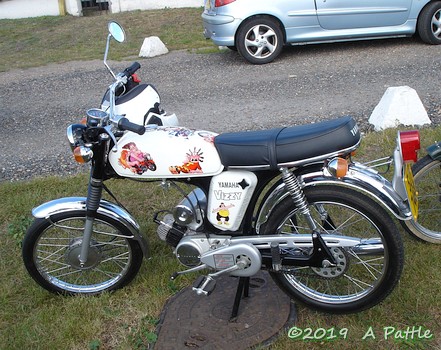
{"x":38,"y":41}
{"x":32,"y":318}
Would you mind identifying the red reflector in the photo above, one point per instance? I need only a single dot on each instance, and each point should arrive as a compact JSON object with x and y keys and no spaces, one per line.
{"x":219,"y":3}
{"x":135,"y":78}
{"x":410,"y":144}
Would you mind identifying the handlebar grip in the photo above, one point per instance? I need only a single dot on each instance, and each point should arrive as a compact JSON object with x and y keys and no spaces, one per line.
{"x":125,"y":124}
{"x":132,"y":69}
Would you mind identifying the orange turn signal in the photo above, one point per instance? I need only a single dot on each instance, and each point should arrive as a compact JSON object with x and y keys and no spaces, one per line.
{"x":82,"y":154}
{"x":338,"y":167}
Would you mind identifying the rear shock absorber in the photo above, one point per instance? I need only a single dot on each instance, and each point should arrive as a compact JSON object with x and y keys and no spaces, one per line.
{"x":293,"y":186}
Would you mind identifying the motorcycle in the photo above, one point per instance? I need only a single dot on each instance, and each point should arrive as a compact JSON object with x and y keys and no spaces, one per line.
{"x":288,"y":200}
{"x":427,"y":175}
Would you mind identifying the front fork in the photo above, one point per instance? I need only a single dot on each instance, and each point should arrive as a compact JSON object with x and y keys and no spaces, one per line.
{"x":93,"y":201}
{"x":94,"y":194}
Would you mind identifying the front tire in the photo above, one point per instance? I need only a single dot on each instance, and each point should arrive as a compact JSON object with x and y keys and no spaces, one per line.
{"x":260,"y":40}
{"x":427,"y":176}
{"x":429,"y":23}
{"x":51,"y":249}
{"x":362,"y":277}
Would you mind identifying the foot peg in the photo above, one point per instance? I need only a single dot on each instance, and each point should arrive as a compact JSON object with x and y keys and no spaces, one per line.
{"x":204,"y":285}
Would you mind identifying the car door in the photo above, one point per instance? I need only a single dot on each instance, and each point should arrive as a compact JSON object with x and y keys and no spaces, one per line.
{"x":352,"y":14}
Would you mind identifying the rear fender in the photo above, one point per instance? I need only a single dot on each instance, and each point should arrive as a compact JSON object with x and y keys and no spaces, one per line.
{"x":108,"y":209}
{"x":359,"y":177}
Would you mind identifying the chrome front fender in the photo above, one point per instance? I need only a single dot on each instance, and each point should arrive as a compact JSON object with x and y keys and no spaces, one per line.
{"x":359,"y":177}
{"x":108,"y":209}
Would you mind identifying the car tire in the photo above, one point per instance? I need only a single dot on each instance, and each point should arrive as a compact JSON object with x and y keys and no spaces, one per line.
{"x":429,"y":23}
{"x":260,"y":40}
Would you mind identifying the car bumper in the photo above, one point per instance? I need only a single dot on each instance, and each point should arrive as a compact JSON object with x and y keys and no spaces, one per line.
{"x":220,"y":29}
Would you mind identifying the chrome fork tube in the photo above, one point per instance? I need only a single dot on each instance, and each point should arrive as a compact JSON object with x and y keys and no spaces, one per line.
{"x":293,"y":186}
{"x":92,"y":204}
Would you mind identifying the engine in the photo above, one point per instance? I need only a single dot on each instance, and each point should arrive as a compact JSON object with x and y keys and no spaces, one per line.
{"x":179,"y":229}
{"x":185,"y":219}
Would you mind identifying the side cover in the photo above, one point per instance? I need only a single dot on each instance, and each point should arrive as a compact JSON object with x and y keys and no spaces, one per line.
{"x":230,"y":194}
{"x":166,"y":152}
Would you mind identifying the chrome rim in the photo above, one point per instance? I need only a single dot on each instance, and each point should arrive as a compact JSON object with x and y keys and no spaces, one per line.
{"x":436,"y":24}
{"x":261,"y":41}
{"x":358,"y":271}
{"x":57,"y":250}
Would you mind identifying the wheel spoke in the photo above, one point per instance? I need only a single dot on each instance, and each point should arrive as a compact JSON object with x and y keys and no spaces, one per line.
{"x":359,"y":283}
{"x":270,"y":47}
{"x":259,"y":51}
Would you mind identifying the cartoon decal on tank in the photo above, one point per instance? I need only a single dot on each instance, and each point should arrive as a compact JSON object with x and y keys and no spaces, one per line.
{"x":179,"y":132}
{"x":191,"y":164}
{"x":134,"y":159}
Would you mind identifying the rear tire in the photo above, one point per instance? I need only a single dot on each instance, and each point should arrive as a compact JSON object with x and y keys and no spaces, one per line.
{"x":429,"y":23}
{"x":361,"y":279}
{"x":427,"y":176}
{"x":51,"y":250}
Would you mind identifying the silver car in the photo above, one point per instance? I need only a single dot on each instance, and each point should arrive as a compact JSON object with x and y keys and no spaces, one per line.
{"x":258,"y":29}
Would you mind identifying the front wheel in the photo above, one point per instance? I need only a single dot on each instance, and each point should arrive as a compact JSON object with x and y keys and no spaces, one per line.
{"x":51,"y":250}
{"x":429,"y":23}
{"x":260,"y":40}
{"x":427,"y":176}
{"x":364,"y":274}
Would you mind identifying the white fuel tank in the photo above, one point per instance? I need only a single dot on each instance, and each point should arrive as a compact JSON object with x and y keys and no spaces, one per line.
{"x":166,"y":152}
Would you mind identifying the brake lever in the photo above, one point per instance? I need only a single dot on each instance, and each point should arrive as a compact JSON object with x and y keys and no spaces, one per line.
{"x":109,"y":132}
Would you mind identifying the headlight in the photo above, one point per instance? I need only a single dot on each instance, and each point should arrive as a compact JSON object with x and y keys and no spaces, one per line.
{"x":74,"y":134}
{"x":82,"y":154}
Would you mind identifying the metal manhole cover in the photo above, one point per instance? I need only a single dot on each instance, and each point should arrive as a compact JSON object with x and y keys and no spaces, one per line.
{"x":192,"y":321}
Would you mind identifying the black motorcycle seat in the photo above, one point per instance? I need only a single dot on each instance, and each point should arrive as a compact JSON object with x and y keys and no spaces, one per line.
{"x":287,"y":145}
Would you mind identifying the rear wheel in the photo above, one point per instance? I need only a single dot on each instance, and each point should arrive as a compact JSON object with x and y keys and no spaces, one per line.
{"x":427,"y":175}
{"x":429,"y":23}
{"x":260,"y":40}
{"x":51,"y":250}
{"x":365,"y":274}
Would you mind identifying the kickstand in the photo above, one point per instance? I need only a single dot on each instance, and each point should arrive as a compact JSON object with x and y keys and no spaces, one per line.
{"x":242,"y":287}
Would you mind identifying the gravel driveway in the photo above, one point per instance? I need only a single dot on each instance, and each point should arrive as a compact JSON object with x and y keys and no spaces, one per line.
{"x":217,"y":92}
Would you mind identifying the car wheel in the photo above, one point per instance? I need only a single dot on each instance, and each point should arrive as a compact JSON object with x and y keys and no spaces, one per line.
{"x":429,"y":23}
{"x":260,"y":40}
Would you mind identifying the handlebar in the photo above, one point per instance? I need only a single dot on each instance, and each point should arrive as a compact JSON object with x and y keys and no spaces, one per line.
{"x":125,"y":124}
{"x":132,"y":69}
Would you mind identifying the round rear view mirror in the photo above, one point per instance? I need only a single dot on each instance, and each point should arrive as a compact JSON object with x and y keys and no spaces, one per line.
{"x":116,"y":31}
